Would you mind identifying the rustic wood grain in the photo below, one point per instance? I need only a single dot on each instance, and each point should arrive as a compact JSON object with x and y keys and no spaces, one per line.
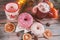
{"x":54,"y":27}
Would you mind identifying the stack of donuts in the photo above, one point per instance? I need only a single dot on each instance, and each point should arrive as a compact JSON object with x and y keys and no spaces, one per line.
{"x":26,"y":21}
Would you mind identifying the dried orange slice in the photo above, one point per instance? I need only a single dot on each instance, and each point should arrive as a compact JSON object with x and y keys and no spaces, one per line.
{"x":54,"y":13}
{"x":9,"y":27}
{"x":27,"y":37}
{"x":47,"y":33}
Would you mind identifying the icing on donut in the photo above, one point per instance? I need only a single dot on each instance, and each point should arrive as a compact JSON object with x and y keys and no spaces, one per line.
{"x":43,"y":7}
{"x":25,"y":20}
{"x":37,"y":28}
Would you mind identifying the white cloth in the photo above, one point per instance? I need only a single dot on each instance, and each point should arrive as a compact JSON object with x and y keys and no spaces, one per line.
{"x":19,"y":28}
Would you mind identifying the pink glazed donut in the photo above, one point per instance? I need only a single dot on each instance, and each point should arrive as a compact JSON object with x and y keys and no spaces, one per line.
{"x":25,"y":20}
{"x":37,"y":29}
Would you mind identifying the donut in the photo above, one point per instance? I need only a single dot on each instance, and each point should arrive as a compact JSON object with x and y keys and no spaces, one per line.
{"x":11,"y":7}
{"x":25,"y":20}
{"x":9,"y":27}
{"x":27,"y":36}
{"x":43,"y":7}
{"x":37,"y":29}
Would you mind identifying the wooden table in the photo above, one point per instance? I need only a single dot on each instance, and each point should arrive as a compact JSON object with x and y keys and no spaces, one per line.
{"x":54,"y":27}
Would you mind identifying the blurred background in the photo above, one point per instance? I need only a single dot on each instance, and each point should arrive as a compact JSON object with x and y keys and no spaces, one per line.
{"x":29,"y":3}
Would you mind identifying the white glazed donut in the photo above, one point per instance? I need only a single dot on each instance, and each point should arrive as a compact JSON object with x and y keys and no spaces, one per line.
{"x":25,"y":20}
{"x":37,"y":29}
{"x":43,"y":7}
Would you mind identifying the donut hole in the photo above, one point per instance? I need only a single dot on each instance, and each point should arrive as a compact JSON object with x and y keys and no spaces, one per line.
{"x":38,"y":28}
{"x":25,"y":19}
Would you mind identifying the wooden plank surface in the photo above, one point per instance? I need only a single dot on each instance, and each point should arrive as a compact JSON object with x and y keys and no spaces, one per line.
{"x":54,"y":27}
